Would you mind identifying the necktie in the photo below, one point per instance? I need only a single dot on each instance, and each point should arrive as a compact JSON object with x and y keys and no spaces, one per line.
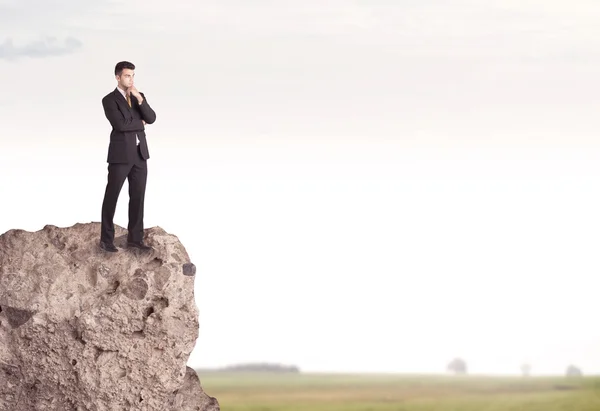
{"x":129,"y":100}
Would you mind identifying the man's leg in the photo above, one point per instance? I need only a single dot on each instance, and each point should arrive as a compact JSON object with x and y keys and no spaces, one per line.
{"x":137,"y":190}
{"x":117,"y":173}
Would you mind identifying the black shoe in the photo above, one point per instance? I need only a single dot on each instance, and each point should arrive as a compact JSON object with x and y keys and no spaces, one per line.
{"x":108,"y":247}
{"x":140,"y":245}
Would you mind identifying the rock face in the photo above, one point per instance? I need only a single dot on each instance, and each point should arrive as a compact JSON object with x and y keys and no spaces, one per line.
{"x":82,"y":329}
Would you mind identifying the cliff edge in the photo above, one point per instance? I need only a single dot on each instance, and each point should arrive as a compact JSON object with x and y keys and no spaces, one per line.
{"x":82,"y":329}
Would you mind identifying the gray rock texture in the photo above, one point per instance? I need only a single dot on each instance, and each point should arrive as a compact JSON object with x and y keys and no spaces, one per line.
{"x":82,"y":329}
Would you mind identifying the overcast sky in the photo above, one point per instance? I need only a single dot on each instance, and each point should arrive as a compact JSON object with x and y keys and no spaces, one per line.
{"x":363,"y":185}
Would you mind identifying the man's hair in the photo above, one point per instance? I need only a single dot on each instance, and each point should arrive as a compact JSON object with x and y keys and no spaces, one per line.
{"x":123,"y":65}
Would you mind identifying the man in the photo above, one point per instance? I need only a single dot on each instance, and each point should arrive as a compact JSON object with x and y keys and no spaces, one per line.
{"x":128,"y":112}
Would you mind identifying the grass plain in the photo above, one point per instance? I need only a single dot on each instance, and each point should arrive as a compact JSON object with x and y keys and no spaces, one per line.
{"x":240,"y":391}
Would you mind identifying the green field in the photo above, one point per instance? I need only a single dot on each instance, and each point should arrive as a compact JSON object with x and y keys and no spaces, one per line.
{"x":317,"y":392}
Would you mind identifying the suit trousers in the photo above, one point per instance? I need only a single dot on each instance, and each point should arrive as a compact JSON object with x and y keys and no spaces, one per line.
{"x":136,"y":173}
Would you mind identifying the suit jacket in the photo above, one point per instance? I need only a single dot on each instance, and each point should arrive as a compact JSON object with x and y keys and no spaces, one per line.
{"x":126,"y":122}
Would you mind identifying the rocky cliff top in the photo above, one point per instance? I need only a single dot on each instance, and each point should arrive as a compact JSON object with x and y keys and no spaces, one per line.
{"x":83,"y":329}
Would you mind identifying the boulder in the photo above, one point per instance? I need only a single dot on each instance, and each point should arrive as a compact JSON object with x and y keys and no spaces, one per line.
{"x":82,"y":329}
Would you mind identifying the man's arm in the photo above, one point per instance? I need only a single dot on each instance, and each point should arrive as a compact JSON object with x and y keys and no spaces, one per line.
{"x":116,"y":119}
{"x":148,"y":114}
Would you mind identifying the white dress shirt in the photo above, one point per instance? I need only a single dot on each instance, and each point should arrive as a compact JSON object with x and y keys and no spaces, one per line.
{"x":125,"y":96}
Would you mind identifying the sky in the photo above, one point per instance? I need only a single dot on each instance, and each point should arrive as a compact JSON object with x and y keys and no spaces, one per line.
{"x":363,"y":186}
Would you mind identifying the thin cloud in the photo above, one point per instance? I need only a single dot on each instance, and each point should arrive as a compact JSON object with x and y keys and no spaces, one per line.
{"x":31,"y":28}
{"x":48,"y":47}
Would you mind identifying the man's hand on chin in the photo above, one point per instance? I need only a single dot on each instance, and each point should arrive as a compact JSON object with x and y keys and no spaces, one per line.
{"x":135,"y":93}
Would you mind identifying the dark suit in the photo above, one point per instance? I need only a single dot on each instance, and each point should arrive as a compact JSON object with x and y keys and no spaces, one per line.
{"x":127,"y":160}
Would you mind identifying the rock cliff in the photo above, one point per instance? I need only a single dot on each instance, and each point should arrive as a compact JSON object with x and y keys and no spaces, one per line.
{"x":82,"y":329}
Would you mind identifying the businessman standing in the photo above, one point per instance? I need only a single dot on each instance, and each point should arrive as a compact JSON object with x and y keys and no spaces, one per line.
{"x":128,"y":112}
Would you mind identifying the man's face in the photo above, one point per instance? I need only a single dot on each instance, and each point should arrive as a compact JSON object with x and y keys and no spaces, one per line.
{"x":126,"y":78}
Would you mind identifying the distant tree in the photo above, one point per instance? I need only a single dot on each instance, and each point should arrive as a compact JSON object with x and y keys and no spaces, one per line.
{"x":573,"y":371}
{"x":457,"y":366}
{"x":526,"y":370}
{"x":263,"y":367}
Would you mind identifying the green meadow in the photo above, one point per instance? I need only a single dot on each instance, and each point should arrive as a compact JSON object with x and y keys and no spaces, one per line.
{"x":332,"y":392}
